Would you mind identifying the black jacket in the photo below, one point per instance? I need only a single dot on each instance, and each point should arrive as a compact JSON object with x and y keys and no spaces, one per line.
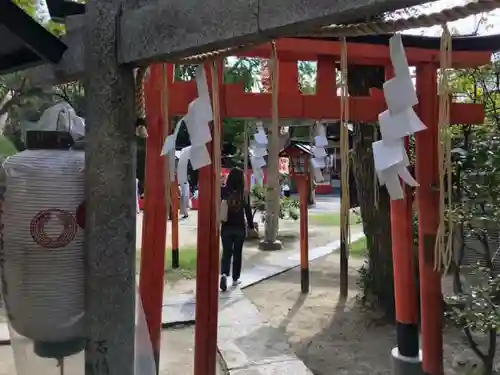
{"x":238,"y":208}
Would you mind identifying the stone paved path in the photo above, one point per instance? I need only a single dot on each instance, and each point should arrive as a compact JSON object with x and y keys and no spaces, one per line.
{"x":176,"y":358}
{"x":248,"y":344}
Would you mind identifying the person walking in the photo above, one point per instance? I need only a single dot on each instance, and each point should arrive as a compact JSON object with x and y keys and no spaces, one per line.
{"x":286,"y":189}
{"x":184,"y":191}
{"x":137,"y":196}
{"x":234,"y":226}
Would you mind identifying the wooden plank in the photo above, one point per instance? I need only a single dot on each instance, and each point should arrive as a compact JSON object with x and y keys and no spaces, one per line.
{"x":238,"y":104}
{"x":361,"y":53}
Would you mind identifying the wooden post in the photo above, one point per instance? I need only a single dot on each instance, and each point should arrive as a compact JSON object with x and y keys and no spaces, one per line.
{"x":326,"y":81}
{"x":175,"y":204}
{"x":431,"y":300}
{"x":405,"y":288}
{"x":154,"y":230}
{"x":303,"y":182}
{"x":270,"y":241}
{"x":207,"y":269}
{"x":245,"y":156}
{"x":110,"y":196}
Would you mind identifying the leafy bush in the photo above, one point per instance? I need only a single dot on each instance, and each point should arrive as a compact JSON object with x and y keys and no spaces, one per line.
{"x":289,"y":207}
{"x":477,"y":310}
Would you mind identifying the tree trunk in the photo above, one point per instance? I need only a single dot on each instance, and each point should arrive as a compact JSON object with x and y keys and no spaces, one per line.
{"x":375,"y":215}
{"x":273,"y":187}
{"x":273,"y":191}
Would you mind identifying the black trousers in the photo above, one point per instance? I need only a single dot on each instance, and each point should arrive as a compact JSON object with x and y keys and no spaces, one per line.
{"x":232,"y":249}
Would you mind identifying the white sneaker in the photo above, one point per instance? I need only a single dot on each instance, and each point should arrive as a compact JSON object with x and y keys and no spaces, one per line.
{"x":236,"y":283}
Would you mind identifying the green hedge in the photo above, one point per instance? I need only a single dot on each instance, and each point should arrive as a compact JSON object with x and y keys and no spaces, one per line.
{"x":7,"y":148}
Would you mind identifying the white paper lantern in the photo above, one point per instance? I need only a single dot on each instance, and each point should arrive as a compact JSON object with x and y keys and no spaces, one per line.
{"x":43,"y":276}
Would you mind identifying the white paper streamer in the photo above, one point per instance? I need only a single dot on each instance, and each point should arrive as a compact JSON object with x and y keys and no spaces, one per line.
{"x":257,"y":162}
{"x":197,"y":121}
{"x":170,"y":141}
{"x":199,"y":115}
{"x":199,"y":157}
{"x":319,"y":152}
{"x":400,"y":120}
{"x":260,"y":136}
{"x":398,"y":56}
{"x":394,"y":187}
{"x":318,"y":175}
{"x":203,"y":93}
{"x":392,"y":126}
{"x":318,"y":163}
{"x":258,"y":151}
{"x":258,"y":175}
{"x":171,"y":160}
{"x":320,"y":141}
{"x":388,"y":154}
{"x":406,"y":176}
{"x":399,"y":94}
{"x":182,"y":165}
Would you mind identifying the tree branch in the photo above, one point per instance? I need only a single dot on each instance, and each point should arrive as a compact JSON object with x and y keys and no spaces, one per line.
{"x":473,"y":345}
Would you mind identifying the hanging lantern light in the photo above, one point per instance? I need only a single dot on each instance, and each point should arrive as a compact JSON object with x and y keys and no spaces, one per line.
{"x":42,"y":257}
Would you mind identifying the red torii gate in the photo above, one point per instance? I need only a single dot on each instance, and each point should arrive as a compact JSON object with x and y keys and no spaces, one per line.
{"x":325,"y":104}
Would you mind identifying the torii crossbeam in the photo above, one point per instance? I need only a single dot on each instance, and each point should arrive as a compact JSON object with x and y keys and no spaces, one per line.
{"x":164,"y":30}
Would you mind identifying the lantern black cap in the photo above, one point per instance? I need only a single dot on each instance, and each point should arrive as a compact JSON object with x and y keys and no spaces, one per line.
{"x":48,"y":140}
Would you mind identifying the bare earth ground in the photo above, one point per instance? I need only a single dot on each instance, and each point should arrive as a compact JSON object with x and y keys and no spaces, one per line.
{"x":335,"y":337}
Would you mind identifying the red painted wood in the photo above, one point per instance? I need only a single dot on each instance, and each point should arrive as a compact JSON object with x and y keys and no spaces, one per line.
{"x":361,"y":53}
{"x":288,"y":79}
{"x":405,"y":291}
{"x":431,"y":302}
{"x":155,"y":214}
{"x":326,"y":82}
{"x":207,"y":269}
{"x":293,"y":105}
{"x":175,"y":204}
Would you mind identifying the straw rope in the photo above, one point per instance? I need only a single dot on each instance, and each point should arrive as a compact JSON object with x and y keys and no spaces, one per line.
{"x":217,"y":124}
{"x":140,"y":103}
{"x":376,"y":191}
{"x":425,"y":20}
{"x":443,"y":251}
{"x":373,"y":28}
{"x":245,"y":153}
{"x":344,"y":147}
{"x":166,"y":131}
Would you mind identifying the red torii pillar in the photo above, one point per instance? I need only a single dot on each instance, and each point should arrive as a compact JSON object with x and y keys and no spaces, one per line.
{"x":431,"y":299}
{"x":154,"y":230}
{"x":406,"y":355}
{"x":207,"y":265}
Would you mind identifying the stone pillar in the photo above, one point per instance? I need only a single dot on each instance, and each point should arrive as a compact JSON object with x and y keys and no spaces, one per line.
{"x":110,"y":197}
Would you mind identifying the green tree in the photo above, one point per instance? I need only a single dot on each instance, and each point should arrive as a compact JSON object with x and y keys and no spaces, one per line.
{"x":476,"y":213}
{"x":21,"y":102}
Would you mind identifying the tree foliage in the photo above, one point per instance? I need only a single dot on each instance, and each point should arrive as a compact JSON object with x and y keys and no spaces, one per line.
{"x":475,"y":209}
{"x":289,"y":207}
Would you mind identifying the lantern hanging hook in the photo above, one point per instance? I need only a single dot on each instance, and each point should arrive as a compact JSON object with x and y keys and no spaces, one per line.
{"x":60,"y":364}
